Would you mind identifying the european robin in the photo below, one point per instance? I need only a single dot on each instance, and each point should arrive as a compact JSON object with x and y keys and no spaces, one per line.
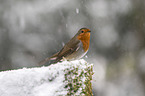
{"x":76,"y":48}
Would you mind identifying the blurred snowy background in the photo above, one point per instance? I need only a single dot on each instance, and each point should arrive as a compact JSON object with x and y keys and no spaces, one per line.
{"x":31,"y":30}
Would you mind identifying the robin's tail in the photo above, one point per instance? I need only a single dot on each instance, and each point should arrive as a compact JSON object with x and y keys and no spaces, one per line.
{"x":49,"y":60}
{"x":53,"y":59}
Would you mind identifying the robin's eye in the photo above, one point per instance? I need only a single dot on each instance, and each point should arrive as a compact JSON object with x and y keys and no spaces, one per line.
{"x":82,"y":31}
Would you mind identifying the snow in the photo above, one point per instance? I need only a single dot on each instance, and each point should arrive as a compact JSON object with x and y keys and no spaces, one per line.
{"x":77,"y":10}
{"x":40,"y":81}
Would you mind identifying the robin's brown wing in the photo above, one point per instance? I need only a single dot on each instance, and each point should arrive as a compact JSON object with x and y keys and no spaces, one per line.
{"x":68,"y":49}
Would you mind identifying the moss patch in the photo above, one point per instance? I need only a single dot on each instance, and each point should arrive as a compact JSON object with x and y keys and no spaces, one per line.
{"x":78,"y":80}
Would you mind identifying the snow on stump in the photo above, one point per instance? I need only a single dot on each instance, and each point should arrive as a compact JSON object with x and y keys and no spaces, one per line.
{"x":61,"y":79}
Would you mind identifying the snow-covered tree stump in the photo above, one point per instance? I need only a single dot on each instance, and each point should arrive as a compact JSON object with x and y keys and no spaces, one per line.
{"x":61,"y":79}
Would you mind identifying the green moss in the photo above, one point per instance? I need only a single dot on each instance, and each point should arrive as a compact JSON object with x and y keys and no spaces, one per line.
{"x":78,"y":80}
{"x":88,"y":88}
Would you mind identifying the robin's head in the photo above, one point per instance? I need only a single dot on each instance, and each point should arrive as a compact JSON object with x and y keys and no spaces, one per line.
{"x":84,"y":36}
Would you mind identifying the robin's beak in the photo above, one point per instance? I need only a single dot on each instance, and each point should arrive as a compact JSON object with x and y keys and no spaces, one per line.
{"x":89,"y":31}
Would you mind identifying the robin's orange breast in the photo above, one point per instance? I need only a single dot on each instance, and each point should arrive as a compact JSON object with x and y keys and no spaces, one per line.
{"x":85,"y":39}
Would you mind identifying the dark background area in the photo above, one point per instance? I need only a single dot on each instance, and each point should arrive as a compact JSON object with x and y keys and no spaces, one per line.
{"x":32,"y":30}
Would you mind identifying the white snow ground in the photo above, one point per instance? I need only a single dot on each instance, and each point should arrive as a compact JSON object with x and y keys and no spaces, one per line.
{"x":41,"y":81}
